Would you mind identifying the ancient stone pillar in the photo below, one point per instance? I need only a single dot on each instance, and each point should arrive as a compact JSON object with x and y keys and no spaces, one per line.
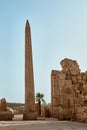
{"x":29,"y":113}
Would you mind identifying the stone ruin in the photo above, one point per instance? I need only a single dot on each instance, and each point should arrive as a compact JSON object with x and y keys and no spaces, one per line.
{"x":3,"y":106}
{"x":69,"y":92}
{"x":5,"y":114}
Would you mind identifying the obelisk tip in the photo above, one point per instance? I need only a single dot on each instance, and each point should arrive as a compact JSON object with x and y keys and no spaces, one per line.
{"x":27,"y":23}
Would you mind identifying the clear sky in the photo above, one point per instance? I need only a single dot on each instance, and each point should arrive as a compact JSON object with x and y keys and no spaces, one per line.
{"x":59,"y":30}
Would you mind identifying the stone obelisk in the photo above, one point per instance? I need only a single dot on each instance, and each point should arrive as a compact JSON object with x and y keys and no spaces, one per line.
{"x":29,"y":113}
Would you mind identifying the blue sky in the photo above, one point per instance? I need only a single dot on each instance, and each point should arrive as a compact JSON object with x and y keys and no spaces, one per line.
{"x":59,"y":30}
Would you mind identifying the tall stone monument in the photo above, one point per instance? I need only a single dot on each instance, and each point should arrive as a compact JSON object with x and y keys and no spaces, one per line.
{"x":29,"y":113}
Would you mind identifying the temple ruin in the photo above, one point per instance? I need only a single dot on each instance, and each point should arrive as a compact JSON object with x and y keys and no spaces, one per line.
{"x":5,"y":114}
{"x":69,"y":92}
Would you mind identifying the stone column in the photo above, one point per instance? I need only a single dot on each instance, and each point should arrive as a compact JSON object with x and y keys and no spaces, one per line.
{"x":29,"y":113}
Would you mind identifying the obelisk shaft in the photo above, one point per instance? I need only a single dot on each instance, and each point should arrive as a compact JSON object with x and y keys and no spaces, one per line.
{"x":29,"y":78}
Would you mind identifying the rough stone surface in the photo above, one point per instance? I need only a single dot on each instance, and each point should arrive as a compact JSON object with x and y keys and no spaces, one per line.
{"x":4,"y":113}
{"x":3,"y":106}
{"x":29,"y":113}
{"x":69,"y":92}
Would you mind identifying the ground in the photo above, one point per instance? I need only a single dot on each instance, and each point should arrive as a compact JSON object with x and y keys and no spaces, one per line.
{"x":46,"y":124}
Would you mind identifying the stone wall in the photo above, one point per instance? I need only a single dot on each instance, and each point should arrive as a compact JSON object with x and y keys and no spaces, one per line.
{"x":69,"y":92}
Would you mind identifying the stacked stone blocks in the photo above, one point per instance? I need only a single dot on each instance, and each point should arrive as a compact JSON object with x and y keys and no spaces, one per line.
{"x":69,"y":92}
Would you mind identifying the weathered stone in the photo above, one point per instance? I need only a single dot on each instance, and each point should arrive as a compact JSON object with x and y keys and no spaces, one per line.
{"x":69,"y":92}
{"x":70,"y":65}
{"x":4,"y":113}
{"x":81,"y":114}
{"x":30,"y":113}
{"x":3,"y":106}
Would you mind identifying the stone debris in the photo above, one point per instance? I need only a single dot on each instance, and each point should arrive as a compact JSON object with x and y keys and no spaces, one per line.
{"x":69,"y":92}
{"x":4,"y":113}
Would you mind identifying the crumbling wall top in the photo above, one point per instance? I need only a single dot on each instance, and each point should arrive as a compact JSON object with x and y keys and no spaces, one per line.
{"x":69,"y":65}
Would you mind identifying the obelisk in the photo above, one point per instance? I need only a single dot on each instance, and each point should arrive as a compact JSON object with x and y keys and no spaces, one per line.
{"x":29,"y":113}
